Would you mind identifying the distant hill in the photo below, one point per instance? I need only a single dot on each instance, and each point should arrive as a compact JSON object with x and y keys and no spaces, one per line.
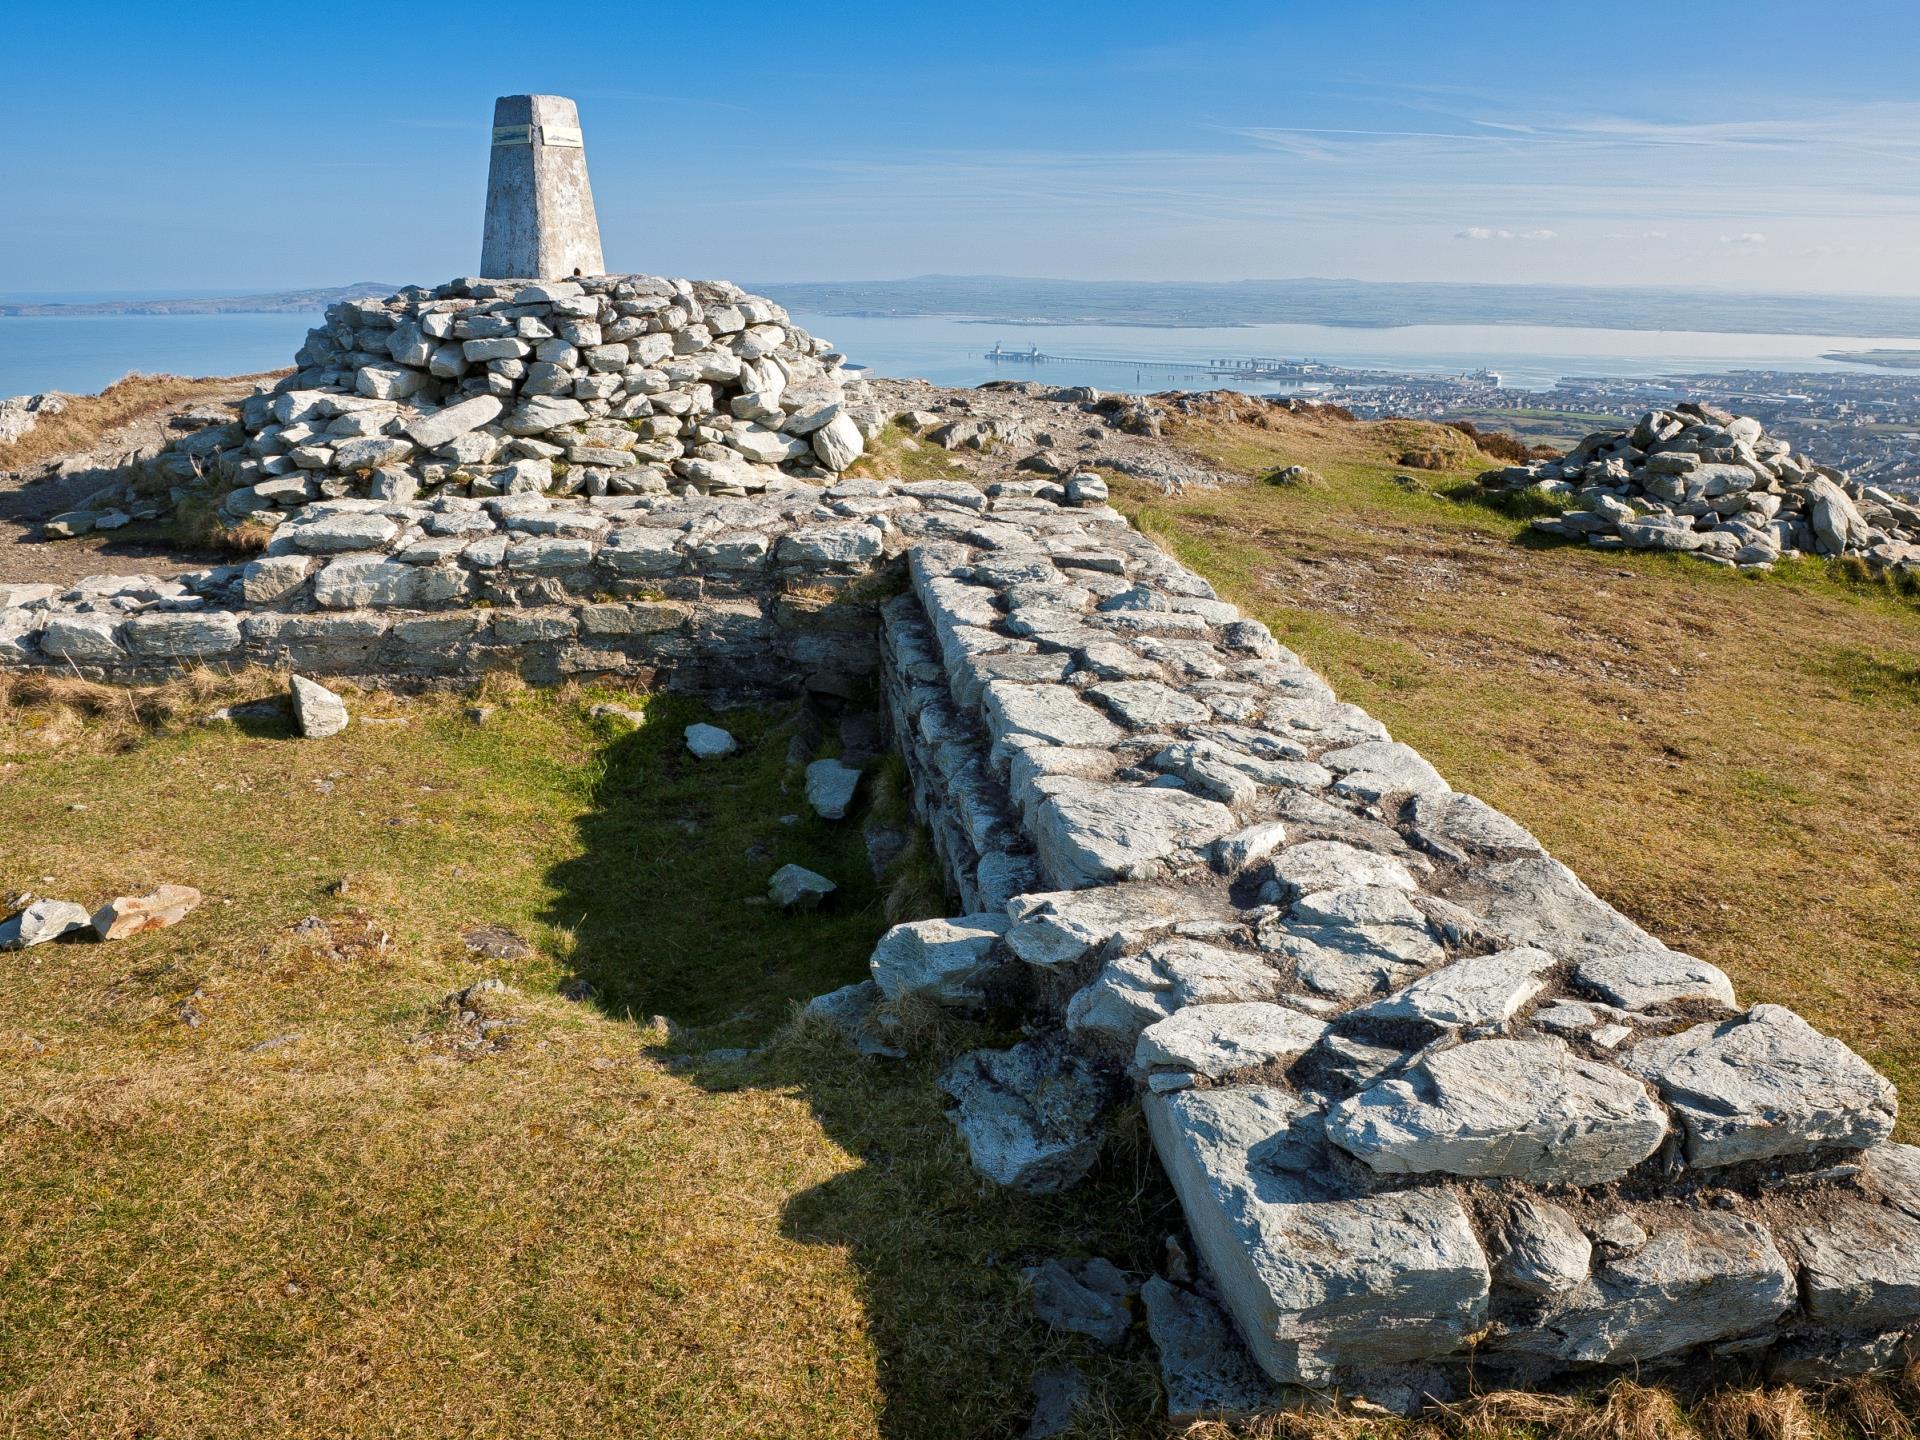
{"x":1360,"y":303}
{"x":274,"y":303}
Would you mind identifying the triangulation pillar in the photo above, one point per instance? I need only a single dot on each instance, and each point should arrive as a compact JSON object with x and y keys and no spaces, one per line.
{"x":540,"y":220}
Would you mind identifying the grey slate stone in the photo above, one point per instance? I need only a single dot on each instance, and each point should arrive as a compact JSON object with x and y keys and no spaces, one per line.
{"x":830,"y":788}
{"x":945,"y":961}
{"x":317,"y":711}
{"x":42,"y":921}
{"x":1204,"y":1366}
{"x":1318,"y":1275}
{"x":1082,"y":1297}
{"x":1763,"y":1085}
{"x":1219,"y":1039}
{"x":1699,"y":1278}
{"x":1479,"y":990}
{"x":1030,"y":1115}
{"x":1527,"y":1109}
{"x":1646,"y":979}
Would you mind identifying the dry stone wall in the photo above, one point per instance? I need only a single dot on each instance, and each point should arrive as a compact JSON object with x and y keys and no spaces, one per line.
{"x":1428,"y":1103}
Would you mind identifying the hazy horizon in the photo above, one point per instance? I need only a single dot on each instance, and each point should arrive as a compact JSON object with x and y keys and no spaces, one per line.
{"x":1738,"y":147}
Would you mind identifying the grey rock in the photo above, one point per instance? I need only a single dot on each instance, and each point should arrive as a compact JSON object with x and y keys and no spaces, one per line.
{"x":1763,"y":1085}
{"x":1060,"y":928}
{"x":1319,"y":1276}
{"x":1216,"y":1040}
{"x":1699,"y":1278}
{"x":945,"y":961}
{"x":1479,"y":990}
{"x":1132,"y":992}
{"x":431,"y":431}
{"x":709,"y":742}
{"x":1539,"y":1249}
{"x":1646,"y":979}
{"x":1083,"y":1297}
{"x":1030,"y":1115}
{"x":830,"y":788}
{"x":1085,"y":832}
{"x":852,"y":1011}
{"x":42,"y":921}
{"x":317,"y":711}
{"x":794,"y":887}
{"x":1204,"y":1366}
{"x":1539,"y":902}
{"x":1530,"y":1110}
{"x":1316,"y":865}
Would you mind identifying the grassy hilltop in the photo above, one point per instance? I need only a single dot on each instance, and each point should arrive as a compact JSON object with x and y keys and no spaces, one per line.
{"x":263,"y":1178}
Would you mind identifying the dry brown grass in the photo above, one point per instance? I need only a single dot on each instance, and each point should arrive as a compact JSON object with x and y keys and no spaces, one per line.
{"x":87,"y":419}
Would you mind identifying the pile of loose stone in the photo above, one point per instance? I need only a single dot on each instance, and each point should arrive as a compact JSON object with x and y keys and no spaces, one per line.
{"x":608,"y":385}
{"x":1708,"y":483}
{"x":1430,"y":1106}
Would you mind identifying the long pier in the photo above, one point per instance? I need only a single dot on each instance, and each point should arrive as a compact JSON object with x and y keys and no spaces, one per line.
{"x":1253,"y":367}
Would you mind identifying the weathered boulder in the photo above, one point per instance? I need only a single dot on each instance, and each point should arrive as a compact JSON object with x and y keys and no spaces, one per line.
{"x":1030,"y":1115}
{"x":131,"y":914}
{"x":709,"y":742}
{"x":1530,"y":1110}
{"x":1763,"y":1085}
{"x":317,"y":711}
{"x":42,"y":921}
{"x":1319,"y":1275}
{"x":947,"y":962}
{"x":830,"y":788}
{"x":794,"y":887}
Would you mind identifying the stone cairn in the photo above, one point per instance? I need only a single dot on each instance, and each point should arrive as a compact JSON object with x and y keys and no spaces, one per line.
{"x":1701,"y":481}
{"x":1436,"y":1114}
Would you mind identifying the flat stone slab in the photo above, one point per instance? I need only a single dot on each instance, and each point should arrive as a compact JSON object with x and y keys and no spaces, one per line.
{"x":1132,"y":992}
{"x":1480,"y":990}
{"x":1065,"y":926}
{"x":1218,"y":1040}
{"x":1315,"y":865}
{"x":1763,"y":1085}
{"x":1647,"y":979}
{"x":1526,"y":1109}
{"x":1086,"y":831}
{"x":1319,"y":1278}
{"x":1701,"y":1278}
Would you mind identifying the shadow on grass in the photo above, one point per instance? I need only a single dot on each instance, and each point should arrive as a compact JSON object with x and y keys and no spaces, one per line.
{"x":666,"y":904}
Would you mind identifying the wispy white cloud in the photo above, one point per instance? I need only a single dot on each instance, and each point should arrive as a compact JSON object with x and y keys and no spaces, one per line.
{"x":1482,"y":232}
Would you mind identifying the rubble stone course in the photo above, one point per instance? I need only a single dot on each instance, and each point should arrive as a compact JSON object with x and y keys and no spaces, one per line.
{"x":1427,"y":1101}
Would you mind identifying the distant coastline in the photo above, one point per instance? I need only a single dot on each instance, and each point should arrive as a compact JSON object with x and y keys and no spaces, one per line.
{"x":278,"y":302}
{"x":1886,"y":359}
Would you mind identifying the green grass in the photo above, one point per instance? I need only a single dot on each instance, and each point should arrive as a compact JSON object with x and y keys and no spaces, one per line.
{"x":377,"y":1225}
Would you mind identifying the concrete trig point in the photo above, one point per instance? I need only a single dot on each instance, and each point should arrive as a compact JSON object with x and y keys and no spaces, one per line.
{"x":540,"y":220}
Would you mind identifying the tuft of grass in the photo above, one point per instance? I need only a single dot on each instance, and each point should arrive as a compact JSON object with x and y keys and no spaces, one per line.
{"x":89,"y":418}
{"x":896,"y":455}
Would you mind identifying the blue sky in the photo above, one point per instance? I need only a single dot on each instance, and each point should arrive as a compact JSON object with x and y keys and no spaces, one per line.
{"x":227,"y":148}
